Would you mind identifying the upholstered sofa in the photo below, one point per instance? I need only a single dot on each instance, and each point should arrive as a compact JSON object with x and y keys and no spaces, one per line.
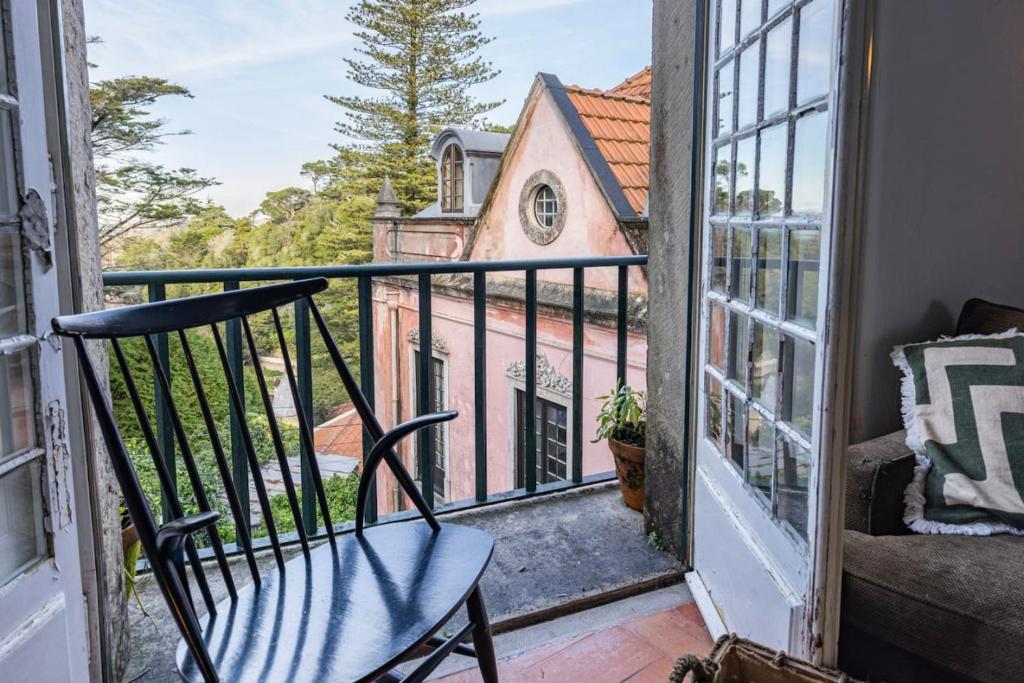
{"x":926,"y":608}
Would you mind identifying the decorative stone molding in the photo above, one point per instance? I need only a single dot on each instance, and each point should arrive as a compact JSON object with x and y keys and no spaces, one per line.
{"x":541,"y":234}
{"x":439,"y":344}
{"x":548,"y":377}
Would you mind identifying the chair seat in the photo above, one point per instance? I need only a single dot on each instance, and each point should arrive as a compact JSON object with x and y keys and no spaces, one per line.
{"x":347,"y":613}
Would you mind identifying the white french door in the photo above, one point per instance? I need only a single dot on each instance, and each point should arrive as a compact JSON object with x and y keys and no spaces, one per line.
{"x":769,"y":156}
{"x":43,"y":632}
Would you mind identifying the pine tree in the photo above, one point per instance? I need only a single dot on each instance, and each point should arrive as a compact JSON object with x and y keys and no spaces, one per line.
{"x":422,"y":57}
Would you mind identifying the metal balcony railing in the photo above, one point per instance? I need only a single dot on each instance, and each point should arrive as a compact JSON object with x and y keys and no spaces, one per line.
{"x":156,"y":283}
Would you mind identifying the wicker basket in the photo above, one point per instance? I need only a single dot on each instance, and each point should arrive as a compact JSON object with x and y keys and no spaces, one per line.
{"x":737,"y":660}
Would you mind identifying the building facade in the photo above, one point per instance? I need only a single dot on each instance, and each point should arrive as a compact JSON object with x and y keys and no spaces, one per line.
{"x":570,"y":182}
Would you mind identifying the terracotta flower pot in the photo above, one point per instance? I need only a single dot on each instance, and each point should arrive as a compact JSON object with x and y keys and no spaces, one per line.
{"x":629,"y":466}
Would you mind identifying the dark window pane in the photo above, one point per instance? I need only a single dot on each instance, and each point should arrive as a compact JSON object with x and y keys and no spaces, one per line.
{"x":719,"y":248}
{"x":735,"y":431}
{"x":739,"y":340}
{"x":8,"y":173}
{"x":716,"y":337}
{"x":741,"y":264}
{"x":804,"y":262}
{"x":713,"y":415}
{"x":791,"y":477}
{"x":723,"y":168}
{"x":768,"y":286}
{"x":798,"y":368}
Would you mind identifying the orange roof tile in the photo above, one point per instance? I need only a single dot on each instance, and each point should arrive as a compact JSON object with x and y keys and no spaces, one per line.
{"x":619,"y":120}
{"x":637,"y":85}
{"x":341,"y":435}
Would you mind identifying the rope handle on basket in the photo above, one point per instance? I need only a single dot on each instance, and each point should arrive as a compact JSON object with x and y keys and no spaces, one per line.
{"x":702,"y":668}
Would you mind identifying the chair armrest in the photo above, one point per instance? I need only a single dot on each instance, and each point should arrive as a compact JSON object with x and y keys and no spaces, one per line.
{"x":171,"y":535}
{"x":384,"y":446}
{"x":878,"y":472}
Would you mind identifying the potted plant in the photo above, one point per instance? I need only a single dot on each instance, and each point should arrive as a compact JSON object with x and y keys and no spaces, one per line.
{"x":623,"y":421}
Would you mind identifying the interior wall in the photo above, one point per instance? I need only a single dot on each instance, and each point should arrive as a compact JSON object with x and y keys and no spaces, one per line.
{"x":943,"y":200}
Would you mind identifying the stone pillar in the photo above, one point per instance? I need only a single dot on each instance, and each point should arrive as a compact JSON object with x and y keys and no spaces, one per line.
{"x":668,"y":468}
{"x":385,"y":223}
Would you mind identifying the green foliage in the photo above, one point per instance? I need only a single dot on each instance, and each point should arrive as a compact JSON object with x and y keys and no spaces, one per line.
{"x":341,"y":501}
{"x":623,"y":416}
{"x":132,"y":193}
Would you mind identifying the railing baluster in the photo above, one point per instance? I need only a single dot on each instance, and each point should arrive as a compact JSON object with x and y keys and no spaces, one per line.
{"x":530,"y":409}
{"x":366,"y":337}
{"x":304,"y":411}
{"x":158,"y":292}
{"x":303,"y":358}
{"x":480,"y":381}
{"x":239,"y":462}
{"x":426,"y":391}
{"x":577,"y":374}
{"x":621,"y":326}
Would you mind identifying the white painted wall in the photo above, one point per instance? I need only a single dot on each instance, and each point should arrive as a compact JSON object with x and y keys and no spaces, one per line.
{"x":943,"y":201}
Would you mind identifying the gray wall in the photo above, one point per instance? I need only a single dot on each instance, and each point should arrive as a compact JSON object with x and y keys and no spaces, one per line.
{"x":668,"y":278}
{"x":943,"y":200}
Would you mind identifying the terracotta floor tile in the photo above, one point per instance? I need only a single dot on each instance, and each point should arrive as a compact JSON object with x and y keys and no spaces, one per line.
{"x":612,"y":654}
{"x":640,"y":650}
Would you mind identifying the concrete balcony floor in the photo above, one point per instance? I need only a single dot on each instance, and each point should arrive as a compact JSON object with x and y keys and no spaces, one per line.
{"x":554,"y":555}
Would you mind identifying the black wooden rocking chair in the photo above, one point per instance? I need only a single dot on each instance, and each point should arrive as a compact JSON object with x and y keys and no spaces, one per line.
{"x":350,"y":609}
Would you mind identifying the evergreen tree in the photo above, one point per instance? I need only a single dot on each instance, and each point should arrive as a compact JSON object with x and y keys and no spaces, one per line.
{"x":422,"y":57}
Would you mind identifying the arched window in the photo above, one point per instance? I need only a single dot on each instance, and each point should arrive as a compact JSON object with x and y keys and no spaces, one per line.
{"x":451,"y":179}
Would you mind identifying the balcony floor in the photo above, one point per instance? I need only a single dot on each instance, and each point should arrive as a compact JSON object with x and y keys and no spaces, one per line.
{"x":554,"y":555}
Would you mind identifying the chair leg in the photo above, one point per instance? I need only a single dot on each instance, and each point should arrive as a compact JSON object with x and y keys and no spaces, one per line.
{"x":482,"y":642}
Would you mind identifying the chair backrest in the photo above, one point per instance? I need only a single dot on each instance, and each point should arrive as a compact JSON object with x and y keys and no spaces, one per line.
{"x":207,"y":313}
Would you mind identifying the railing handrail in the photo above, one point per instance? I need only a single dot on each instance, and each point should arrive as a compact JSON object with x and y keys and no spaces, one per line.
{"x":220,"y":275}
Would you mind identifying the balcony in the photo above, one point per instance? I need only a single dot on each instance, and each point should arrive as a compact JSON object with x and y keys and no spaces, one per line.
{"x":565,"y":542}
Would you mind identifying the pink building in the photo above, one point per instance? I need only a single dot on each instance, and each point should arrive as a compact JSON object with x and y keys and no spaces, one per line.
{"x":572,"y":181}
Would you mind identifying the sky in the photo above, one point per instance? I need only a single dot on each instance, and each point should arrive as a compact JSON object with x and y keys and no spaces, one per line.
{"x":258,"y":70}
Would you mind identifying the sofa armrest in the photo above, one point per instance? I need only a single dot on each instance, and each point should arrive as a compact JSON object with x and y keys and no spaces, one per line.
{"x":878,"y":472}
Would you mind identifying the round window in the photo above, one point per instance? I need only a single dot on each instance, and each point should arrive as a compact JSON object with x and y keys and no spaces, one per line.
{"x":542,"y":205}
{"x":545,"y":206}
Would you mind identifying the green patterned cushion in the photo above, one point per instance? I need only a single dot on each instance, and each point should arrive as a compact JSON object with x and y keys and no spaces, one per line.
{"x":963,"y":407}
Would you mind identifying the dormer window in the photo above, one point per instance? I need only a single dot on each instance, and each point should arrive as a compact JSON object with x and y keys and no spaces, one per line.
{"x":452,"y":180}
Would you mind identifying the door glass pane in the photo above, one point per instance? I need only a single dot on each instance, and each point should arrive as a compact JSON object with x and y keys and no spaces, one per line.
{"x":739,"y":342}
{"x":713,"y":415}
{"x":722,"y":177}
{"x":771,"y":194}
{"x":814,"y":51}
{"x":765,"y":366}
{"x":798,"y":366}
{"x":809,"y":159}
{"x":768,"y":287}
{"x":741,"y":263}
{"x":4,"y":86}
{"x":746,"y":94}
{"x":716,"y":337}
{"x":750,"y":16}
{"x":778,"y":53}
{"x":760,"y":453}
{"x":719,"y":254}
{"x":21,"y":514}
{"x":735,"y":431}
{"x":727,"y":25}
{"x":8,"y":177}
{"x":804,"y":262}
{"x":791,"y":478}
{"x":12,"y":287}
{"x":17,"y":428}
{"x":744,"y":176}
{"x":725,"y":99}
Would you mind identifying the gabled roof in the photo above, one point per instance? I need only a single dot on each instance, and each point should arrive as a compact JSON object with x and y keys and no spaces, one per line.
{"x":621,"y":128}
{"x":637,"y":85}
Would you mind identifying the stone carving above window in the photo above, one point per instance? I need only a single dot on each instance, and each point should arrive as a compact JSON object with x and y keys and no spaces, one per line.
{"x":545,"y":186}
{"x":548,"y":376}
{"x":439,"y":344}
